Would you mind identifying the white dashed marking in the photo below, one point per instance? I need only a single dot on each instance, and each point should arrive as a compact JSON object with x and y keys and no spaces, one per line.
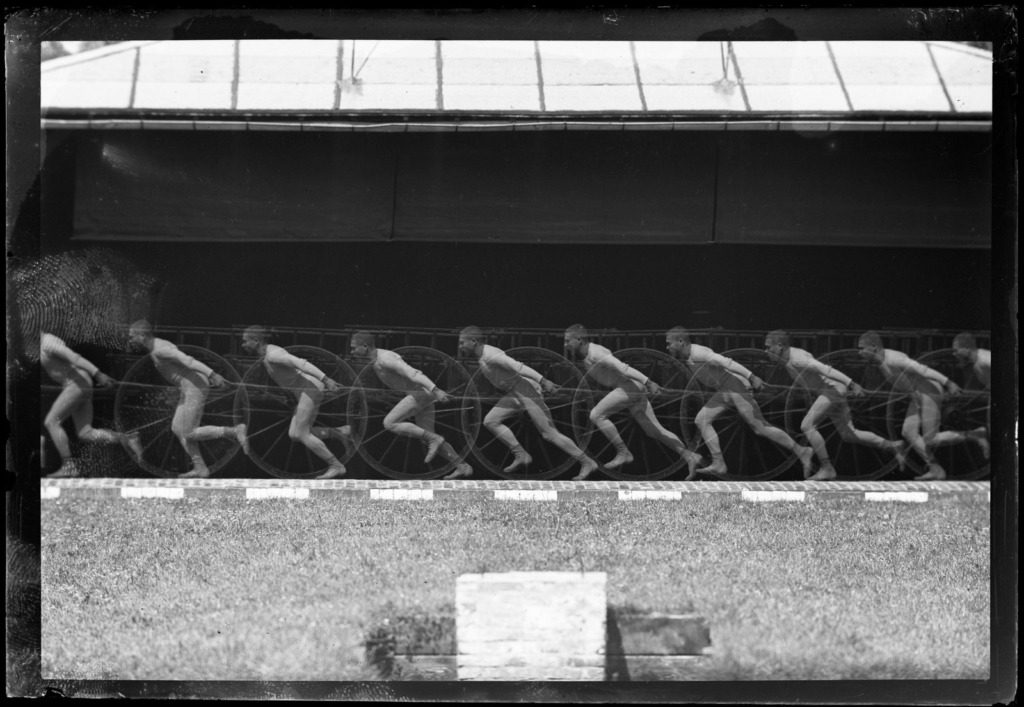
{"x":402,"y":494}
{"x":749,"y":495}
{"x":907,"y":496}
{"x":261,"y":494}
{"x":525,"y":495}
{"x":49,"y":492}
{"x":644,"y":494}
{"x":158,"y":492}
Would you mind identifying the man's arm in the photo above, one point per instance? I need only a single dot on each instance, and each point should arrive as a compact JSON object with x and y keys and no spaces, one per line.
{"x":505,"y":361}
{"x":283,"y":358}
{"x":171,"y":352}
{"x":398,"y":365}
{"x":906,"y":364}
{"x":808,"y":361}
{"x":702,"y":354}
{"x":57,"y":348}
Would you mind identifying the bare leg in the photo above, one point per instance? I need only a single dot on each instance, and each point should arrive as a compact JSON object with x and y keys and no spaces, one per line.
{"x":648,"y":421}
{"x":494,"y":421}
{"x":809,"y":426}
{"x":186,"y":419}
{"x":609,"y":405}
{"x":931,"y":414}
{"x":746,"y":409}
{"x":538,"y":411}
{"x":69,"y":399}
{"x":704,"y":421}
{"x":912,"y":434}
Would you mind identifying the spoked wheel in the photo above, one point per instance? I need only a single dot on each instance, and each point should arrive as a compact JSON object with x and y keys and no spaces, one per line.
{"x":146,"y":404}
{"x":270,"y":410}
{"x":548,"y":460}
{"x":652,"y":460}
{"x":969,"y":411}
{"x":400,"y":457}
{"x":747,"y":455}
{"x":851,"y":459}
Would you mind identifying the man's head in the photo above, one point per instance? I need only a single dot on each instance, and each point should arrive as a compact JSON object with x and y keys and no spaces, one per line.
{"x":777,"y":343}
{"x":471,"y":340}
{"x":254,"y":339}
{"x":576,"y":338}
{"x":870,"y":345}
{"x":362,"y":344}
{"x":677,"y":341}
{"x":140,"y":333}
{"x":965,"y":349}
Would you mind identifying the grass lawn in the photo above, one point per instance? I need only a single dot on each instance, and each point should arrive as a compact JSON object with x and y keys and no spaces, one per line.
{"x":227,"y":589}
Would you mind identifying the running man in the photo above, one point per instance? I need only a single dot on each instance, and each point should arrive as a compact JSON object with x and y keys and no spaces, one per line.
{"x":924,"y":412}
{"x":75,"y":375}
{"x":732,"y":383}
{"x":421,"y":394}
{"x":627,"y":391}
{"x":193,"y":379}
{"x":307,"y":383}
{"x":968,"y":355}
{"x":522,"y":387}
{"x":828,"y":387}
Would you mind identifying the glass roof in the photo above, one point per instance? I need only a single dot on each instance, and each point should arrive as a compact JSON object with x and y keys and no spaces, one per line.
{"x":644,"y":79}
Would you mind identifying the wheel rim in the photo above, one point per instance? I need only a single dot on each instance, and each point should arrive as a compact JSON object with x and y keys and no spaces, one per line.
{"x":747,"y":456}
{"x":548,"y":460}
{"x":868,"y":413}
{"x":400,"y":457}
{"x":652,"y":460}
{"x":145,"y":404}
{"x":271,"y":449}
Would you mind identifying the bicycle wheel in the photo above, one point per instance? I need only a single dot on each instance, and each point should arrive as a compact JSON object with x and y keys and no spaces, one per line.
{"x":145,"y":404}
{"x":852,"y":460}
{"x":652,"y":459}
{"x":270,"y":409}
{"x":548,"y":460}
{"x":968,"y":411}
{"x":747,"y":455}
{"x":400,"y":457}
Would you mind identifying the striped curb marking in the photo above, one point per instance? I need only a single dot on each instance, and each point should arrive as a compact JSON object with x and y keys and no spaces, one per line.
{"x":261,"y":489}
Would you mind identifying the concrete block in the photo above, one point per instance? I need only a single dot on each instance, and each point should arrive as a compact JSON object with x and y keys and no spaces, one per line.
{"x":531,"y":626}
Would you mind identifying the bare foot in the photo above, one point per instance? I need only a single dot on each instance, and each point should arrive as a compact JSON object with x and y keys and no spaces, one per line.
{"x":825,"y":473}
{"x":521,"y":461}
{"x":806,"y":455}
{"x":333,"y":471}
{"x":587,"y":467}
{"x":715,"y":468}
{"x":621,"y":459}
{"x":692,"y":461}
{"x":462,"y":471}
{"x":934,"y":473}
{"x":434,"y":442}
